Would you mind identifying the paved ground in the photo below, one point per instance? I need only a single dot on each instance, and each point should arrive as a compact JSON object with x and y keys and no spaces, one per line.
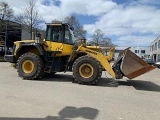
{"x":59,"y":99}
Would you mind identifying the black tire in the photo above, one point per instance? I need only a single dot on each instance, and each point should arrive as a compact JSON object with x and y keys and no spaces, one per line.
{"x":37,"y":63}
{"x":93,"y":67}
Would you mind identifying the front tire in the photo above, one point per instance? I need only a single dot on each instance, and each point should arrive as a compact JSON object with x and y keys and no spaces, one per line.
{"x":87,"y":70}
{"x":30,"y":66}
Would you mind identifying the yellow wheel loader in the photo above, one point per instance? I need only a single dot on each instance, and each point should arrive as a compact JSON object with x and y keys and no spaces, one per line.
{"x":58,"y":52}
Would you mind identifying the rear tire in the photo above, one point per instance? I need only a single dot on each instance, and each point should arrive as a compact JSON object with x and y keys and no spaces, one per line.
{"x":30,"y":66}
{"x":87,"y":70}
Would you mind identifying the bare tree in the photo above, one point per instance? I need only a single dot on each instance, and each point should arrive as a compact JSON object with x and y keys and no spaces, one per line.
{"x":30,"y":17}
{"x":56,"y":21}
{"x":106,"y":42}
{"x":99,"y":39}
{"x":79,"y":31}
{"x":6,"y":13}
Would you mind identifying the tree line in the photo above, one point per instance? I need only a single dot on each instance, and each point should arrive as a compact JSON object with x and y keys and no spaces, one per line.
{"x":30,"y":19}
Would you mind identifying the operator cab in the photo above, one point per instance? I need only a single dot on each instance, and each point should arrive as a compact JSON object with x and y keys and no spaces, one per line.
{"x":61,"y":33}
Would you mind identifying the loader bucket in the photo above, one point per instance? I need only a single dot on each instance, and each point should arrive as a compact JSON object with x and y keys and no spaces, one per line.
{"x":132,"y":65}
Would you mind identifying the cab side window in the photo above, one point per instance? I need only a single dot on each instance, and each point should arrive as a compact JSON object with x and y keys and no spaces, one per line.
{"x":68,"y":37}
{"x":54,"y":33}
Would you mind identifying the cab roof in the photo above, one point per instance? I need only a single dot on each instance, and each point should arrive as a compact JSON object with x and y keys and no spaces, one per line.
{"x":59,"y":24}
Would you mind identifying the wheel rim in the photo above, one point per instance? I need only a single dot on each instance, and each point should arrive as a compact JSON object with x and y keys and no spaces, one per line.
{"x":27,"y":66}
{"x":86,"y":70}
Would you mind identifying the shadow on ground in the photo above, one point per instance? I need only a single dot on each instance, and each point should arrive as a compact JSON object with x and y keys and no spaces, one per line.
{"x":58,"y":78}
{"x":142,"y":85}
{"x":137,"y":84}
{"x":107,"y":82}
{"x":67,"y":113}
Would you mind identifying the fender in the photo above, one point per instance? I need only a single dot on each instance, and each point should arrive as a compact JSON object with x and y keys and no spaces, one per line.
{"x":26,"y":47}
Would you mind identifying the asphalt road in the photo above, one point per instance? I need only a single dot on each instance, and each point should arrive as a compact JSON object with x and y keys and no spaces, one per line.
{"x":57,"y":98}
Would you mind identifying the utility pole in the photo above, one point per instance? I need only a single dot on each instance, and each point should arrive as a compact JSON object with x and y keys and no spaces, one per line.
{"x":5,"y":48}
{"x":6,"y":36}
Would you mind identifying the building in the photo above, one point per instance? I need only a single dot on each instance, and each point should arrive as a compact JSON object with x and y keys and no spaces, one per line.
{"x":12,"y":32}
{"x":8,"y":35}
{"x":155,"y":49}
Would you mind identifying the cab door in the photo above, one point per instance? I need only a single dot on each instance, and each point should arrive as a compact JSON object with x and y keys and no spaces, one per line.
{"x":54,"y":38}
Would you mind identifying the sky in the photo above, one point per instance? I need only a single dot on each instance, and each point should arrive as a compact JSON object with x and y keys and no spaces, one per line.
{"x":126,"y":22}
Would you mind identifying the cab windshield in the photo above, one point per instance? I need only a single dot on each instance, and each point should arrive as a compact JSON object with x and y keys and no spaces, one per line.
{"x":62,"y":34}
